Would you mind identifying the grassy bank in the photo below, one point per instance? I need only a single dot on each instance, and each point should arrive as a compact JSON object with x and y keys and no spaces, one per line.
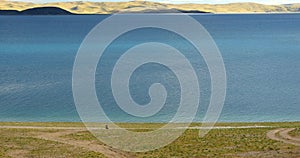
{"x":233,"y":142}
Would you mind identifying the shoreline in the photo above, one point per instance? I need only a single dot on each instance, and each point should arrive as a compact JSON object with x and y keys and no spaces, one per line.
{"x":81,"y":124}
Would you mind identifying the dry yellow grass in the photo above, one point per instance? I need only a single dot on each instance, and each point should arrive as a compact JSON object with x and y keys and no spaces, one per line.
{"x":31,"y":141}
{"x":81,"y":7}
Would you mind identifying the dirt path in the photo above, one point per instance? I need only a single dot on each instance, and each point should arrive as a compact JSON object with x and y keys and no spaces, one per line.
{"x":88,"y":145}
{"x":283,"y":136}
{"x":93,"y":145}
{"x":62,"y":131}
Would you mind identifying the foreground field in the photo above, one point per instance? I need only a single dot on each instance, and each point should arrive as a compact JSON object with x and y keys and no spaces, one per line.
{"x":72,"y":140}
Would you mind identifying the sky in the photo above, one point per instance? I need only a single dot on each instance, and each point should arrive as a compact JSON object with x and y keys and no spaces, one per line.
{"x":185,"y":1}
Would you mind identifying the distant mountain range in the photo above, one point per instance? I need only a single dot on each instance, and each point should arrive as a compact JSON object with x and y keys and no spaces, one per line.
{"x":80,"y":7}
{"x":37,"y":11}
{"x":59,"y":11}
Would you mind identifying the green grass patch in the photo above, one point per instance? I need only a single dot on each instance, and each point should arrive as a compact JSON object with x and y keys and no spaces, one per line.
{"x":19,"y":143}
{"x":217,"y":143}
{"x":295,"y":133}
{"x":220,"y":143}
{"x":84,"y":135}
{"x":251,"y":142}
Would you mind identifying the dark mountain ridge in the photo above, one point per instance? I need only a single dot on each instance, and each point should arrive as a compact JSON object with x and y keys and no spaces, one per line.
{"x":37,"y":11}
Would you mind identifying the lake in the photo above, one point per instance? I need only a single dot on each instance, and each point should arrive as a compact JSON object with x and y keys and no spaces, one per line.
{"x":261,"y":53}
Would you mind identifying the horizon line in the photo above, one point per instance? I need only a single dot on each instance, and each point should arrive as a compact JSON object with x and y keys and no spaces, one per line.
{"x":155,"y":1}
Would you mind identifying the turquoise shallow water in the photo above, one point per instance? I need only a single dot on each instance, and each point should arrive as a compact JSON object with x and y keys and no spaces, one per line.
{"x":261,"y":55}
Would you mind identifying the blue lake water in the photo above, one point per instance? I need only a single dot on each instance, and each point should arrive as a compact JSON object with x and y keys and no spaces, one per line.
{"x":261,"y":55}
